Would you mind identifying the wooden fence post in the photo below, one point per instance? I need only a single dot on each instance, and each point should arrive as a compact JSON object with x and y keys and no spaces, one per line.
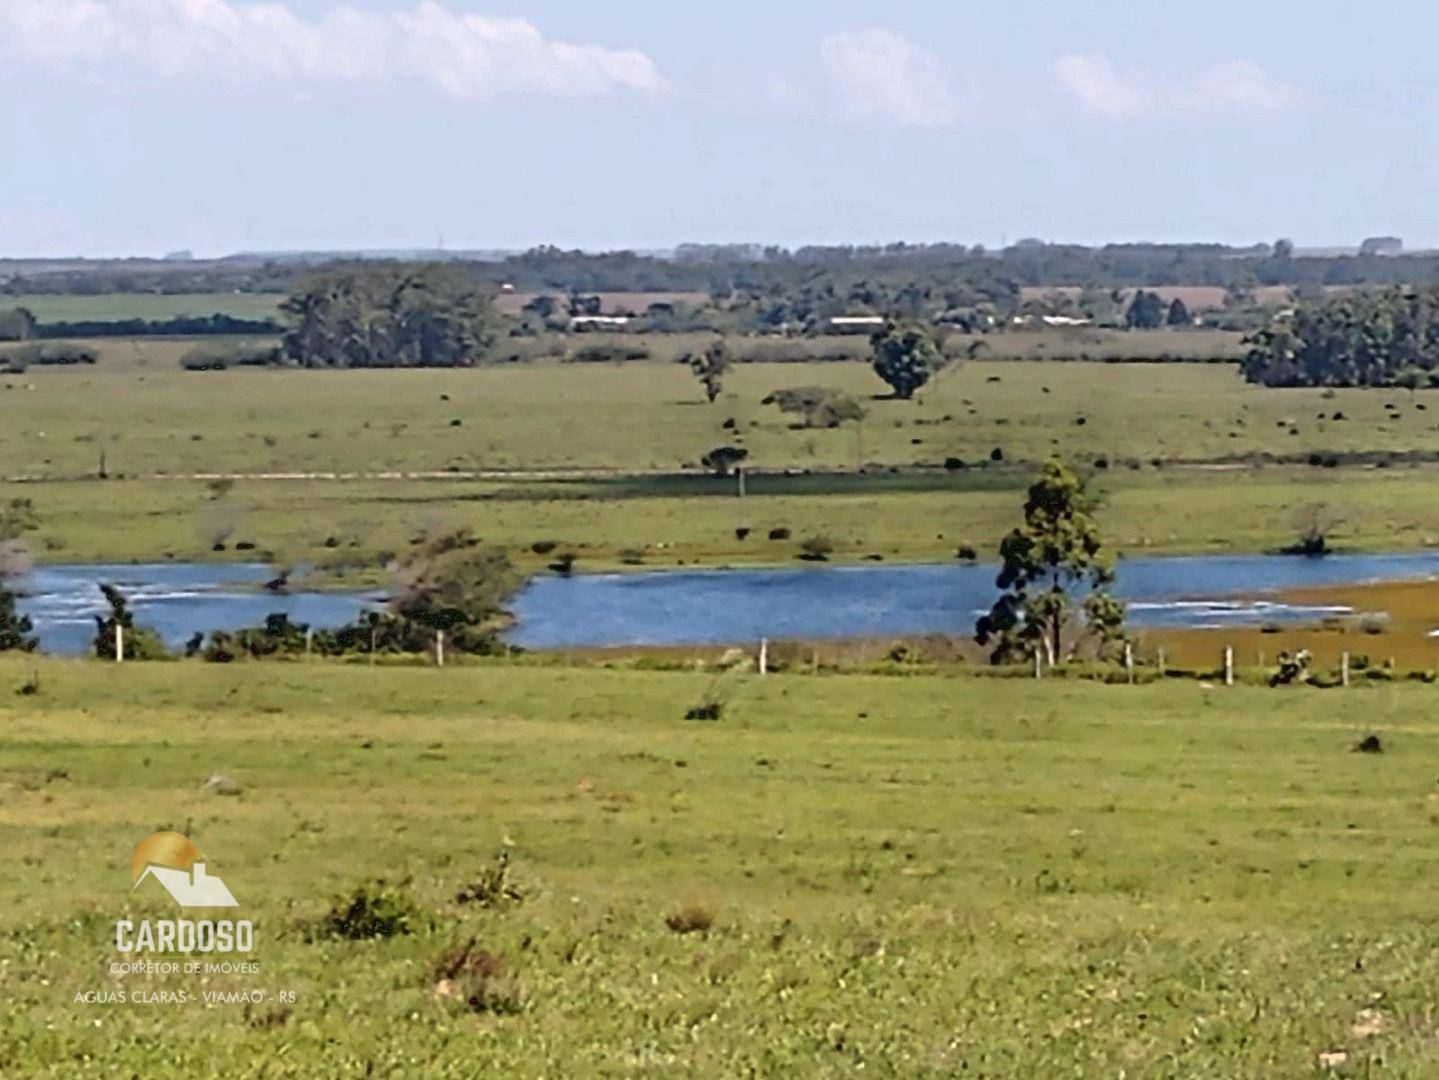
{"x":1038,"y":663}
{"x":1162,"y":666}
{"x":763,"y":656}
{"x":119,"y":642}
{"x":439,"y":648}
{"x":309,"y":641}
{"x":1344,"y":669}
{"x":1228,"y":665}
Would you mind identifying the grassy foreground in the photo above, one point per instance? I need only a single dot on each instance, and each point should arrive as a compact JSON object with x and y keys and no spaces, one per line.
{"x":910,"y":875}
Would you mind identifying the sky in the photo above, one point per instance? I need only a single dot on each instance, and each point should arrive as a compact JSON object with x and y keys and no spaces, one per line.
{"x":138,"y":127}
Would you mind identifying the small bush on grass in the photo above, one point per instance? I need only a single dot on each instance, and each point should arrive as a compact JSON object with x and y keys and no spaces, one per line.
{"x":690,"y":919}
{"x":481,"y":979}
{"x":493,"y":887}
{"x":376,"y":910}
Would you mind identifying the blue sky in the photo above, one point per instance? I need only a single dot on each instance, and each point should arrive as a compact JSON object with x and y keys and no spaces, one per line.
{"x":141,"y":126}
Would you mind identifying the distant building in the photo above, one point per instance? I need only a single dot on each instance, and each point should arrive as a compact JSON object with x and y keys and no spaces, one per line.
{"x":599,"y":322}
{"x":1382,"y":245}
{"x":849,"y":324}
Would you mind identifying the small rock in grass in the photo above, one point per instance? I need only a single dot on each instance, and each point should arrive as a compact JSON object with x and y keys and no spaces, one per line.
{"x":220,"y":784}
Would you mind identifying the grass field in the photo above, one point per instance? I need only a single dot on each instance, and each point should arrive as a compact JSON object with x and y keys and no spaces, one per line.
{"x":652,"y":416}
{"x":615,"y":429}
{"x":151,"y":306}
{"x":913,"y":876}
{"x":667,"y":525}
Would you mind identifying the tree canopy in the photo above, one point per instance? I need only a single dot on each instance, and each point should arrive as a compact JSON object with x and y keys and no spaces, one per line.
{"x":906,"y":357}
{"x":389,"y":316}
{"x":1055,"y":555}
{"x":1387,"y":337}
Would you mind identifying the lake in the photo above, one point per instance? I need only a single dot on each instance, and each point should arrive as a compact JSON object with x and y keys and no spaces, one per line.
{"x":724,"y":606}
{"x":711,"y":606}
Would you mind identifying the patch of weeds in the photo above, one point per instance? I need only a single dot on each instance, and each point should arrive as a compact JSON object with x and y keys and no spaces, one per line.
{"x":375,"y":910}
{"x":690,"y":919}
{"x":481,"y":979}
{"x":493,"y":887}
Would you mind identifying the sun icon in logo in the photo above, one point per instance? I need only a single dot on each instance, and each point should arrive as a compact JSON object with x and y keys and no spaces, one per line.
{"x":172,"y":850}
{"x":175,"y":862}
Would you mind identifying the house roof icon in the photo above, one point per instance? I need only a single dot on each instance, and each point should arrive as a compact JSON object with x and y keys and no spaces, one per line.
{"x":193,"y":888}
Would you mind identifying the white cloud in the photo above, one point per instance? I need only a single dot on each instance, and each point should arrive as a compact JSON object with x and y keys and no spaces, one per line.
{"x":880,"y":75}
{"x":1104,"y":90}
{"x":456,"y":53}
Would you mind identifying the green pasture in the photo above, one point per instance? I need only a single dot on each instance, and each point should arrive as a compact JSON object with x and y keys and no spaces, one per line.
{"x":652,"y":416}
{"x":345,"y":527}
{"x":110,"y":307}
{"x":905,"y":876}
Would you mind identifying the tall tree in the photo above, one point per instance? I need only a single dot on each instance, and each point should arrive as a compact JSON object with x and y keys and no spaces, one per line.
{"x":906,"y":357}
{"x":391,"y":315}
{"x":17,"y":324}
{"x":1054,"y":557}
{"x":1178,"y":313}
{"x":710,"y":368}
{"x":1146,"y":311}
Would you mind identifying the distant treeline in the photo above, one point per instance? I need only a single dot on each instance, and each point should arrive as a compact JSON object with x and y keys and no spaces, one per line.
{"x":722,"y":269}
{"x":181,"y":326}
{"x":1386,"y":337}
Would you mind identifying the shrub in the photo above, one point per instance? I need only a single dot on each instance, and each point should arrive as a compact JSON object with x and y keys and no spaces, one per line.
{"x":15,"y":628}
{"x":691,"y":918}
{"x":376,"y":910}
{"x":607,"y":353}
{"x":816,"y":548}
{"x":817,"y":406}
{"x":723,"y":459}
{"x":138,"y":642}
{"x":493,"y":887}
{"x":49,"y":354}
{"x":217,"y":356}
{"x":481,"y":979}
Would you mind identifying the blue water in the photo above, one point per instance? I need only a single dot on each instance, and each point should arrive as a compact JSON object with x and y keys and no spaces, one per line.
{"x":724,"y":606}
{"x":176,"y":599}
{"x":710,"y":606}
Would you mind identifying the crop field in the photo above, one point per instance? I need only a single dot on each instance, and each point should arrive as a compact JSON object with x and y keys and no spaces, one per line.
{"x":150,"y":306}
{"x":914,"y":876}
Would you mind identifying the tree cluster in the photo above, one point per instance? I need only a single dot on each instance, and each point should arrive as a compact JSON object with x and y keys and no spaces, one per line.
{"x":1388,"y":337}
{"x":389,"y":315}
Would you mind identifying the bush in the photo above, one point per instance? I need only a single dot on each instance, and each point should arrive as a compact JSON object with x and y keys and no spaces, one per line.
{"x":278,"y":637}
{"x":817,"y":406}
{"x":692,"y":918}
{"x":607,"y":353}
{"x":217,"y":356}
{"x":816,"y":548}
{"x":15,"y":629}
{"x":48,"y":354}
{"x":138,"y":642}
{"x":492,"y":888}
{"x":376,"y":910}
{"x":481,"y":979}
